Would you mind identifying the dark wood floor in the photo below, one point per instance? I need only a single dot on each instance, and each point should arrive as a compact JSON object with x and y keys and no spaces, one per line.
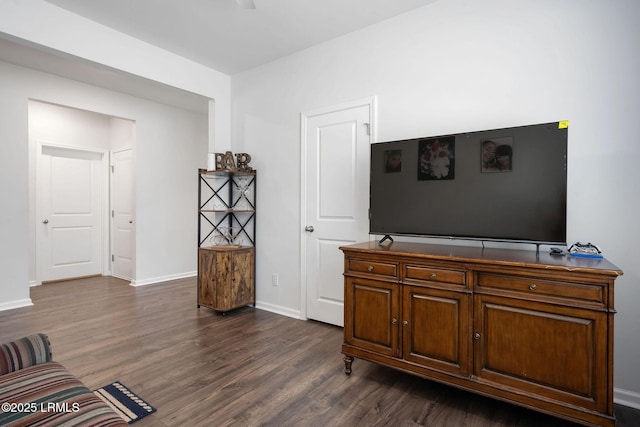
{"x":247,"y":368}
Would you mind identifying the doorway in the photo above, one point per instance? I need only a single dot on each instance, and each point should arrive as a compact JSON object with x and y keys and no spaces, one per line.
{"x":335,"y":184}
{"x":70,"y":192}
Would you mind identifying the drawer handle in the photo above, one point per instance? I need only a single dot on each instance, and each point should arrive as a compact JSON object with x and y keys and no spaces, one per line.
{"x":476,"y":336}
{"x":370,"y":268}
{"x":405,"y":323}
{"x":394,"y":321}
{"x":433,"y":275}
{"x":533,"y":287}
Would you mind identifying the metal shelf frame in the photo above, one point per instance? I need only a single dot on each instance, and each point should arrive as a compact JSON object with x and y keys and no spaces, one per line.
{"x":227,"y":207}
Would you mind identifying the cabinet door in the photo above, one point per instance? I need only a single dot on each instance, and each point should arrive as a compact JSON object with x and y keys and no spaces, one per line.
{"x":371,"y":315}
{"x":206,"y":278}
{"x":436,"y":328}
{"x":242,"y":284}
{"x":549,"y":350}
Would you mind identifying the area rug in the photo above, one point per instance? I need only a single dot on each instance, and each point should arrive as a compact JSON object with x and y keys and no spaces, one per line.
{"x":125,"y":402}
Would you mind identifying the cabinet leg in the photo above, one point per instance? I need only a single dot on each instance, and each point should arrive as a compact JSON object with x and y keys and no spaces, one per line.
{"x":348,"y":360}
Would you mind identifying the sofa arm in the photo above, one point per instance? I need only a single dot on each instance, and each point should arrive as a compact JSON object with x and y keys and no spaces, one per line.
{"x":24,"y":352}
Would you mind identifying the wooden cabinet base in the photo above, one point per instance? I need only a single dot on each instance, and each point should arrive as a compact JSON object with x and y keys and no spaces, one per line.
{"x":226,"y":277}
{"x":526,"y":328}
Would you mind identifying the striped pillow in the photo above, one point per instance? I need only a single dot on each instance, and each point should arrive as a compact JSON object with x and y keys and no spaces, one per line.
{"x":24,"y":352}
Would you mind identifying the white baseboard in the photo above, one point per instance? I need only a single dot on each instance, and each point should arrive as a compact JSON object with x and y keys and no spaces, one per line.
{"x":626,"y":398}
{"x":278,"y":309}
{"x":33,"y":283}
{"x":15,"y":304}
{"x":162,"y":279}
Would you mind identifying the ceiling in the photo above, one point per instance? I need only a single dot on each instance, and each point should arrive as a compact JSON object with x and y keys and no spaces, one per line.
{"x":225,"y":36}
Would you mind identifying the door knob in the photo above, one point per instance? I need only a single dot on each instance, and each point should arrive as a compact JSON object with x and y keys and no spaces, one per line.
{"x":46,"y":221}
{"x":309,"y":228}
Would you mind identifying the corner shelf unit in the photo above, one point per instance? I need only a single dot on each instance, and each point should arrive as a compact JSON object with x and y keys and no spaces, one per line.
{"x":226,"y":208}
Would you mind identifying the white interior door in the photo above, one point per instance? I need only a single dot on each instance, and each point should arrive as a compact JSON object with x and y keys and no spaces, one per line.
{"x":122,"y":213}
{"x":70,"y":203}
{"x":336,"y":199}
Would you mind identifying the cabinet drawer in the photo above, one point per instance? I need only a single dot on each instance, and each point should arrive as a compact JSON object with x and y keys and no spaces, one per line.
{"x":591,"y":293}
{"x":422,"y":273}
{"x":378,"y":268}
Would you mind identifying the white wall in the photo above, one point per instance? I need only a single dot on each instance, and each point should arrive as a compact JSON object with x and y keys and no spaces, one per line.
{"x":464,"y":65}
{"x":171,"y":144}
{"x":14,"y":190}
{"x":122,"y":133}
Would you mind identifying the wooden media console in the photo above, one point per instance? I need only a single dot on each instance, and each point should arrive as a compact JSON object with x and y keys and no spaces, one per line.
{"x":531,"y":329}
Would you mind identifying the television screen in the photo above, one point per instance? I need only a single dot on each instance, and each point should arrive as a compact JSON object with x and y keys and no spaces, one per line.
{"x":505,"y":184}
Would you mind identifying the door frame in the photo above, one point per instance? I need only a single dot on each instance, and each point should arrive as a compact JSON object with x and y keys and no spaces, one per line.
{"x":104,"y":191}
{"x":304,"y":118}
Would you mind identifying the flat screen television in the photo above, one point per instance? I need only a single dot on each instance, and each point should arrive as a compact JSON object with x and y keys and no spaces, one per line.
{"x":505,"y":184}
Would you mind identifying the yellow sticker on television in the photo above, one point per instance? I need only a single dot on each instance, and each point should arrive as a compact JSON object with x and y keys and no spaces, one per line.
{"x":563,"y":124}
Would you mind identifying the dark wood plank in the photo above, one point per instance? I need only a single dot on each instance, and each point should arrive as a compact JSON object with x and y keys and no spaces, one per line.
{"x":246,"y":368}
